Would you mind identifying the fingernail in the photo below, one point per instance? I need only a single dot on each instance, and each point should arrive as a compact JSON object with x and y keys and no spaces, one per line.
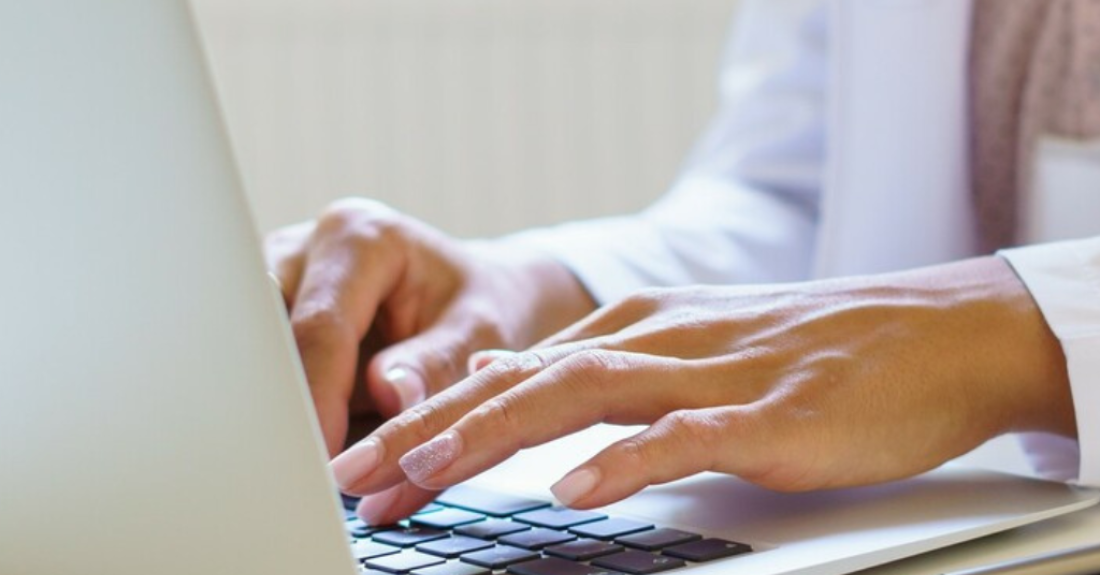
{"x":576,"y":485}
{"x":373,"y":508}
{"x":359,"y":461}
{"x":409,"y":388}
{"x":481,"y":359}
{"x":432,"y":457}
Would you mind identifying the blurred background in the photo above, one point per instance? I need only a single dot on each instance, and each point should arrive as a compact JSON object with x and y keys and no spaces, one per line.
{"x":478,"y":116}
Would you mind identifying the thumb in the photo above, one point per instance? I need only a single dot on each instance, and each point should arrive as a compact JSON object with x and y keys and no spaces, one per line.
{"x":409,"y":372}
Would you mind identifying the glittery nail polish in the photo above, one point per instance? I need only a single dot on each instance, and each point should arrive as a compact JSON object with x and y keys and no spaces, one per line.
{"x":432,"y":457}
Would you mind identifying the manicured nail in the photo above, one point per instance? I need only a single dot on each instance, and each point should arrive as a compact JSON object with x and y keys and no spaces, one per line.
{"x":481,"y":359}
{"x":432,"y":457}
{"x":409,"y":388}
{"x":576,"y":485}
{"x":373,"y":508}
{"x":359,"y":461}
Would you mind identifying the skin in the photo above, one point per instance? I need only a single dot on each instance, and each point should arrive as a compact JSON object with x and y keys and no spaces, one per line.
{"x":794,"y":387}
{"x":386,"y":310}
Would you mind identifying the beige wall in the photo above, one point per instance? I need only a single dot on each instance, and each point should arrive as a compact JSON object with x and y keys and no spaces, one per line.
{"x":480,"y":116}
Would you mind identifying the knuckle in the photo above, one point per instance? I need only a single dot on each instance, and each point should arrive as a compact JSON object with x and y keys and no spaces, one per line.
{"x":517,"y":367}
{"x":697,"y":433}
{"x":359,"y":220}
{"x":500,"y":417}
{"x":633,"y":453}
{"x":500,"y":413}
{"x":644,"y":301}
{"x":691,"y":427}
{"x":317,"y":325}
{"x":593,"y":368}
{"x":373,"y":233}
{"x":421,"y":422}
{"x":593,"y":362}
{"x":354,"y":207}
{"x":339,"y":215}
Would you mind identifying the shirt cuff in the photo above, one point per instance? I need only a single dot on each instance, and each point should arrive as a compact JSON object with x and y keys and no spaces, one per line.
{"x":1064,"y":280}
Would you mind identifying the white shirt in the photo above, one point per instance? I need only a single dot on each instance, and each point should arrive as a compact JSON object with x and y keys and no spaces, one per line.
{"x":748,"y":207}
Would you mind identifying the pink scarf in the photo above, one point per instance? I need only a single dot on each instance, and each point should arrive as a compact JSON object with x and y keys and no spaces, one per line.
{"x":1035,"y":71}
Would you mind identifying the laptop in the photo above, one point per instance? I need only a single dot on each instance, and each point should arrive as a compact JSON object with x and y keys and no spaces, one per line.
{"x":154,"y":417}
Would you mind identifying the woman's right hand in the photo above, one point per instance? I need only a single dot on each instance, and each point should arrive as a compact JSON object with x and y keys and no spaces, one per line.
{"x":428,"y":301}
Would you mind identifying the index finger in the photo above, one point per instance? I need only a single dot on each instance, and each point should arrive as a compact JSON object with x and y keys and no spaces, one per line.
{"x":589,"y":387}
{"x":372,"y":464}
{"x":348,"y":271}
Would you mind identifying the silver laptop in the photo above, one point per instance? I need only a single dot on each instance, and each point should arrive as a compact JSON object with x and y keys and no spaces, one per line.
{"x":153,"y":415}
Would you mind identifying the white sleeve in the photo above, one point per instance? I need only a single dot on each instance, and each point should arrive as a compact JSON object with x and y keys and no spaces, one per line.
{"x":1064,"y":279}
{"x":745,"y":208}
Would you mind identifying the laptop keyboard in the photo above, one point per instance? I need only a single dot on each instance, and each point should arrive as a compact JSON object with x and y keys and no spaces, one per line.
{"x":470,"y":531}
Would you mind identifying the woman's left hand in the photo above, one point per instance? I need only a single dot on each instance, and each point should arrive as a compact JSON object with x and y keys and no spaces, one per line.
{"x":794,"y":387}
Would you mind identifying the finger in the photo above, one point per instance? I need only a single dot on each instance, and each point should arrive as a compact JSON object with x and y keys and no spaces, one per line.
{"x":284,"y":251}
{"x":481,"y":359}
{"x":396,"y":503}
{"x":372,"y":464}
{"x":348,"y":272}
{"x":607,"y":320}
{"x":678,"y":445}
{"x":578,"y":392}
{"x":406,"y":373}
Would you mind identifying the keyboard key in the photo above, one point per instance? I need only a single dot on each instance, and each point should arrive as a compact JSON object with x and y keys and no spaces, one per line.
{"x":707,"y":550}
{"x":447,"y":518}
{"x":639,"y":562}
{"x":356,"y":528}
{"x":659,"y":538}
{"x":365,"y":571}
{"x":583,"y":549}
{"x":555,"y":566}
{"x":403,"y":562}
{"x":368,"y":549}
{"x":610,"y":528}
{"x":452,"y":547}
{"x":430,"y":508}
{"x":537,"y":538}
{"x":559,"y":517}
{"x":499,"y":557}
{"x":453,"y":568}
{"x":488,"y":502}
{"x":360,"y":530}
{"x":491,"y":528}
{"x":350,"y":503}
{"x":409,"y":536}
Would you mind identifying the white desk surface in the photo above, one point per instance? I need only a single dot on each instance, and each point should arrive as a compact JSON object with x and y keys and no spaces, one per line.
{"x":1065,"y":532}
{"x":1073,"y":530}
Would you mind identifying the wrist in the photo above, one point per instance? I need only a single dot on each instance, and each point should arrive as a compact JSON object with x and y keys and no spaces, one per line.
{"x":1017,"y":361}
{"x":1035,"y":354}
